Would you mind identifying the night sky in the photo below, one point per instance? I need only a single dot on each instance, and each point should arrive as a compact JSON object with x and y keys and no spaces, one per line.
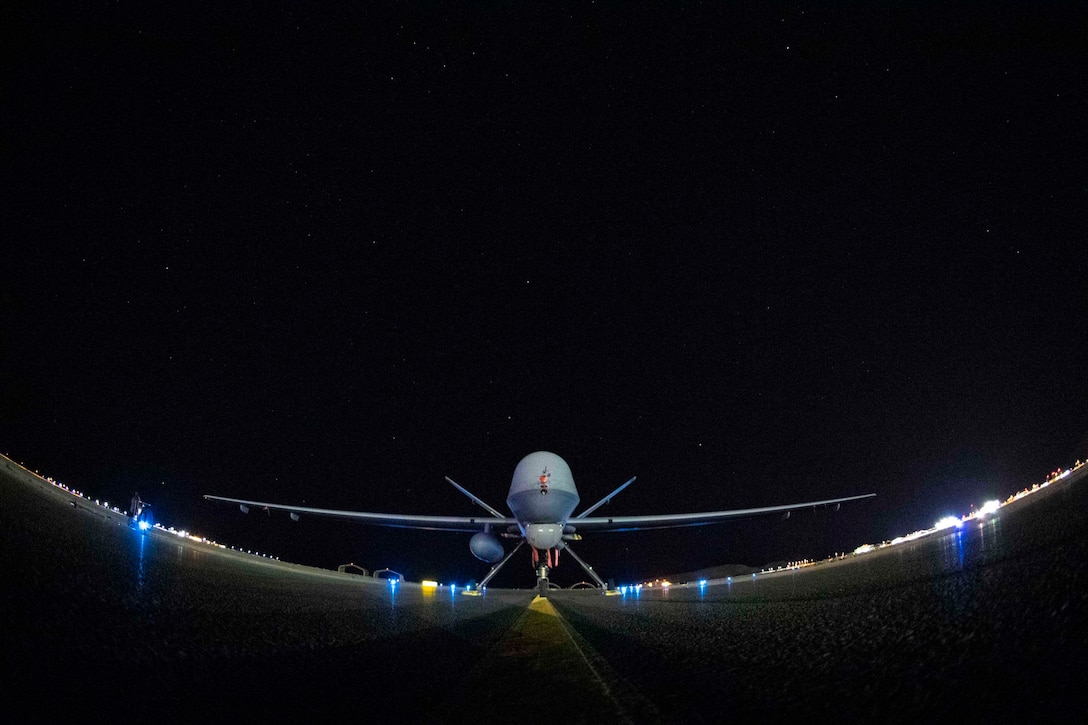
{"x":752,"y":253}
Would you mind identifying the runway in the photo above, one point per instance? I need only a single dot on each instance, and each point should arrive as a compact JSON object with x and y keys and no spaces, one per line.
{"x":987,"y":621}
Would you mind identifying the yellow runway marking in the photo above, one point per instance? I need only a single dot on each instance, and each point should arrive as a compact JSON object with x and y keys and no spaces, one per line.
{"x":542,"y":656}
{"x":537,"y":631}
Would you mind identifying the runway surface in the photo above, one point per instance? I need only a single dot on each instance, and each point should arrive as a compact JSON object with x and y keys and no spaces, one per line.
{"x":987,"y":621}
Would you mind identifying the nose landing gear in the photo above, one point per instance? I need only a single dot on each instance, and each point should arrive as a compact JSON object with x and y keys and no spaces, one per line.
{"x":542,"y":583}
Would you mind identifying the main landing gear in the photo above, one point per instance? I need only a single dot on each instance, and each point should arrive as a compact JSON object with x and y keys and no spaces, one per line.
{"x":545,"y":561}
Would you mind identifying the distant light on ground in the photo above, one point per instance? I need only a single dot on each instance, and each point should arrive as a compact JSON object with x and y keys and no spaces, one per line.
{"x":947,"y":522}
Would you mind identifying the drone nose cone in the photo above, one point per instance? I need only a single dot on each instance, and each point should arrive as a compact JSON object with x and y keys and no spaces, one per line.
{"x":542,"y":489}
{"x":542,"y":470}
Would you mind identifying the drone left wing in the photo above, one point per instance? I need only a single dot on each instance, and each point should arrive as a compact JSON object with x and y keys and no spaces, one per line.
{"x":665,"y":521}
{"x":404,"y":521}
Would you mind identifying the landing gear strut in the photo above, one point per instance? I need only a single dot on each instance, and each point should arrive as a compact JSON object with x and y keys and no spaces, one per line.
{"x":495,"y":569}
{"x":588,"y":569}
